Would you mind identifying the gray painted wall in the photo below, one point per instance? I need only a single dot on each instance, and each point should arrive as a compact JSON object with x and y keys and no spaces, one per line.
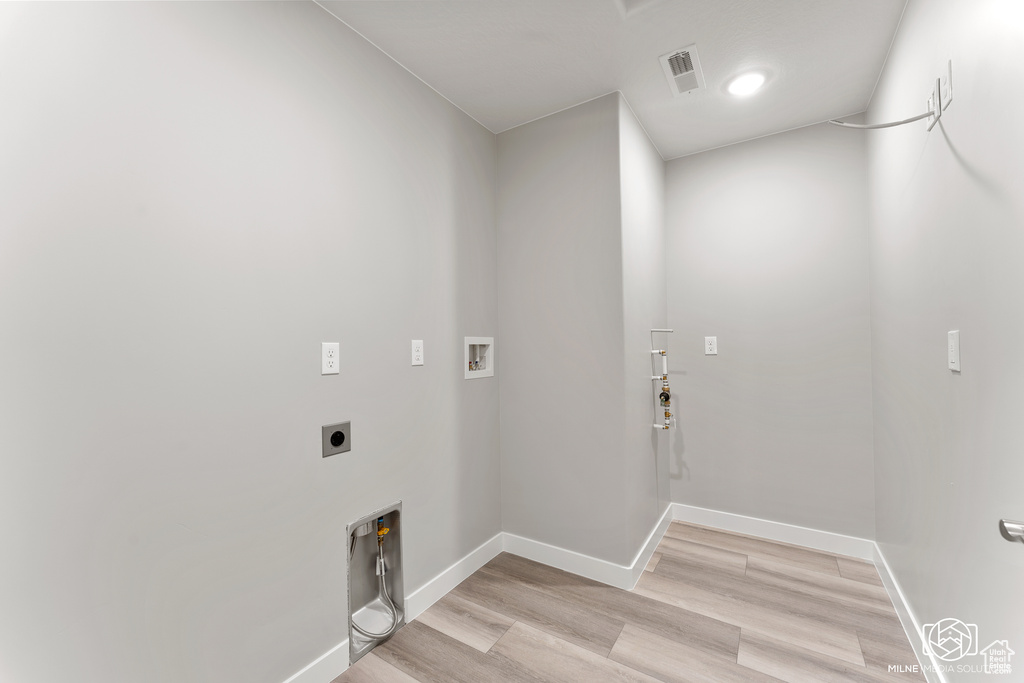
{"x":767,"y":250}
{"x":192,"y":198}
{"x":560,"y":303}
{"x":946,"y":250}
{"x":581,"y":282}
{"x":645,"y":451}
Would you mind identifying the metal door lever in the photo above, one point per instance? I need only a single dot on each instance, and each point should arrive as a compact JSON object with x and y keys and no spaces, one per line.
{"x":1012,"y":531}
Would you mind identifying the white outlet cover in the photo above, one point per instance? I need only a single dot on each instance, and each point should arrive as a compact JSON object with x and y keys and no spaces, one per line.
{"x":417,"y":352}
{"x":953,"y":349}
{"x":710,"y":346}
{"x":329,"y":358}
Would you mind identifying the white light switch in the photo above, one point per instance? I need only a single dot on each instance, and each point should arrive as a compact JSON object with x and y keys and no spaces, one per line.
{"x":710,"y":346}
{"x":329,"y":358}
{"x":417,"y":352}
{"x":953,"y":349}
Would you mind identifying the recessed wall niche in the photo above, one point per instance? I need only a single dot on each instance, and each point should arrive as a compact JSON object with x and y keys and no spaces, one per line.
{"x":479,"y":358}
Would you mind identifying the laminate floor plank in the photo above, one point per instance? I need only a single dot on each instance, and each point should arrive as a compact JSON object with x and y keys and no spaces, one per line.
{"x":794,"y":600}
{"x":710,"y":607}
{"x":430,"y":656}
{"x":835,"y":589}
{"x":555,"y":660}
{"x":540,"y":575}
{"x":569,"y":620}
{"x":705,"y":555}
{"x":828,"y":640}
{"x":654,"y":615}
{"x":749,"y":545}
{"x":675,"y":663}
{"x":884,"y":649}
{"x":467,"y":621}
{"x":858,"y":570}
{"x":797,"y":665}
{"x":372,"y":669}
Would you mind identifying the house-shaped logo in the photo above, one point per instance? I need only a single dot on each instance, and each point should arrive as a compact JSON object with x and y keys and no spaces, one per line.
{"x":997,"y":657}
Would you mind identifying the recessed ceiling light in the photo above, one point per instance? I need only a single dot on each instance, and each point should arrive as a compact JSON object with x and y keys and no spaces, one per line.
{"x":747,"y":84}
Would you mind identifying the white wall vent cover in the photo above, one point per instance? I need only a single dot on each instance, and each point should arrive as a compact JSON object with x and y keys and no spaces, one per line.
{"x":682,"y":69}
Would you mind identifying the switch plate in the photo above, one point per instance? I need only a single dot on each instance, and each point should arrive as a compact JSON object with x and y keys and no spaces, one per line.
{"x":710,"y":346}
{"x":329,"y":352}
{"x":417,"y":352}
{"x":340,"y":444}
{"x":953,"y":350}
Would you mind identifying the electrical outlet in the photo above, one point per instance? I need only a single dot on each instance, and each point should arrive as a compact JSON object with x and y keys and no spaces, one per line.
{"x":329,"y":352}
{"x":710,"y":346}
{"x":417,"y":352}
{"x":336,"y":438}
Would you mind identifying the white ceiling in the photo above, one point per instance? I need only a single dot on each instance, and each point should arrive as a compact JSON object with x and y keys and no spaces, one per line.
{"x":506,"y":62}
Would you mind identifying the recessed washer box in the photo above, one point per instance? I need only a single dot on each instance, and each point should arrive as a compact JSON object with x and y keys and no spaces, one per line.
{"x":479,"y":358}
{"x":366,"y":605}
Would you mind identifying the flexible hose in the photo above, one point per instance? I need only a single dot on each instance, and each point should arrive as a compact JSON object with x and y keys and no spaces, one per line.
{"x":386,"y":599}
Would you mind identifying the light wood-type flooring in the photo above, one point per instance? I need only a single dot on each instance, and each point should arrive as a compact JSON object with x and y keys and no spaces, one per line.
{"x":711,"y":606}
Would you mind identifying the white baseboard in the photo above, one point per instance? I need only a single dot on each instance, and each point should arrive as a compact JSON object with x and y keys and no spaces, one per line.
{"x":426,"y":595}
{"x":618,"y":575}
{"x":326,"y":667}
{"x":643,"y":556}
{"x":567,"y":560}
{"x":777,"y":531}
{"x":335,"y":661}
{"x":907,"y":617}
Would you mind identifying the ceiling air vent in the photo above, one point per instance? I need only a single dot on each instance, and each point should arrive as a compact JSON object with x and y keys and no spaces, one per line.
{"x":682,"y":69}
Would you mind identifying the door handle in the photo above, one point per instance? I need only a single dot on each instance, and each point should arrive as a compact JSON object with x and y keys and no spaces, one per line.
{"x":1011,"y":531}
